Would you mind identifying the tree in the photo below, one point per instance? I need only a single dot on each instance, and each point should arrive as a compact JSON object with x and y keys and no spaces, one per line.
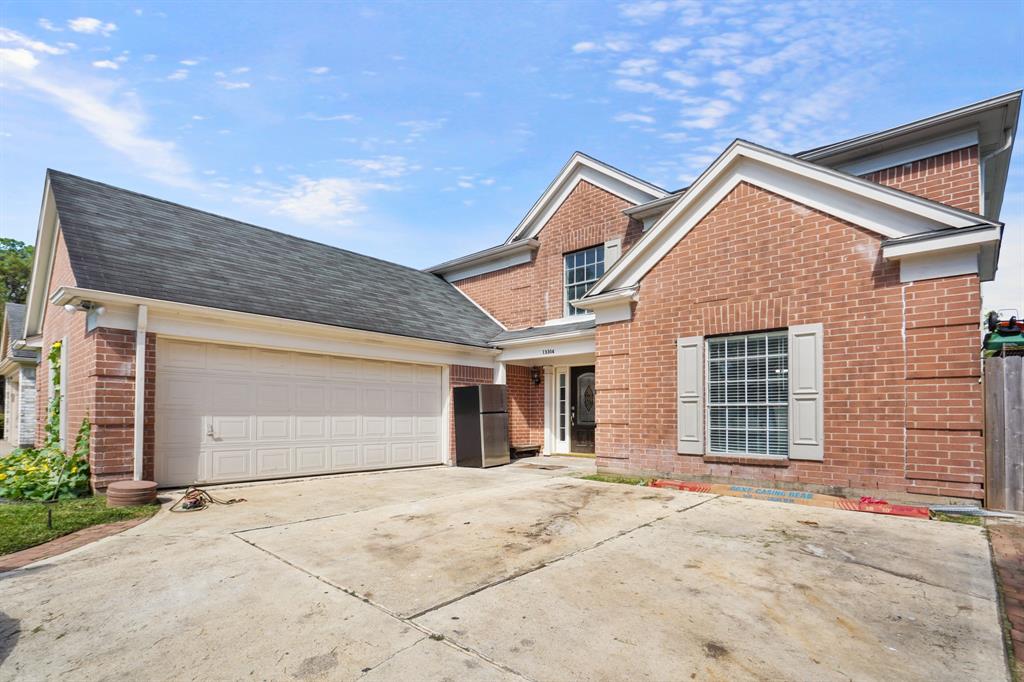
{"x":15,"y":270}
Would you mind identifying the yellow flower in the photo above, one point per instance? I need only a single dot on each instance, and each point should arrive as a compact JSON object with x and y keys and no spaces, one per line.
{"x":74,"y":470}
{"x":3,"y":477}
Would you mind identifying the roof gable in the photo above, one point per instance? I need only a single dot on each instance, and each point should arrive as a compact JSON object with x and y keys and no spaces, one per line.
{"x":127,"y":243}
{"x":582,"y":167}
{"x":883,"y":210}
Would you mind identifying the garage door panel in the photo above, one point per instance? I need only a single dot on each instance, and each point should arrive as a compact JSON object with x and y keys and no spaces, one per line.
{"x":231,"y":428}
{"x":235,"y":397}
{"x":375,"y":454}
{"x":310,"y":428}
{"x":344,"y":427}
{"x":180,"y":429}
{"x":229,"y":358}
{"x":311,"y":398}
{"x":231,"y":464}
{"x":345,"y":456}
{"x":273,"y":461}
{"x":273,"y":398}
{"x":311,"y":459}
{"x":344,"y":400}
{"x":273,"y":428}
{"x":277,"y":413}
{"x":428,"y":451}
{"x":403,"y":453}
{"x":183,"y":354}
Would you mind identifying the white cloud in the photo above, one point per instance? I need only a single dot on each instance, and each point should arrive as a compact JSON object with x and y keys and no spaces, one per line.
{"x":197,"y":117}
{"x":644,"y":11}
{"x":47,"y":25}
{"x":119,"y":125}
{"x":729,"y":79}
{"x":585,"y":46}
{"x":21,"y":40}
{"x":91,"y":25}
{"x":189,"y":62}
{"x":234,"y":85}
{"x":318,"y":70}
{"x":148,"y":57}
{"x":682,"y":78}
{"x":333,"y":117}
{"x":418,"y":127}
{"x":323,"y":202}
{"x":707,"y":116}
{"x":633,"y":118}
{"x":106,"y":64}
{"x":18,"y":58}
{"x":179,"y":75}
{"x":670,"y":44}
{"x":637,"y":67}
{"x":385,"y":166}
{"x":241,"y":69}
{"x":607,"y":45}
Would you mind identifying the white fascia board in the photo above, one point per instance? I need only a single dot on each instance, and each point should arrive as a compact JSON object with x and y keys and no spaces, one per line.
{"x":192,"y":322}
{"x":488,"y":260}
{"x":547,"y":338}
{"x":926,"y":150}
{"x":42,"y":262}
{"x":581,"y":167}
{"x":887,"y":212}
{"x":611,"y":306}
{"x":946,"y":242}
{"x":656,"y":207}
{"x":548,"y":349}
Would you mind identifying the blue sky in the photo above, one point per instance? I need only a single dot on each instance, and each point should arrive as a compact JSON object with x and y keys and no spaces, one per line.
{"x":420,"y":132}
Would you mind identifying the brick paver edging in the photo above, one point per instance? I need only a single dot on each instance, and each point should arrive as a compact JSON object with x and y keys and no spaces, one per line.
{"x":65,"y":543}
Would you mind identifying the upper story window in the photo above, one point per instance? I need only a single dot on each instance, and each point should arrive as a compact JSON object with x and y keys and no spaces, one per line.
{"x":582,"y":269}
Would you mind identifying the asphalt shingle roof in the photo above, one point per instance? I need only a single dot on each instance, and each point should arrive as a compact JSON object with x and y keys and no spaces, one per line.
{"x":128,"y":243}
{"x":547,"y":330}
{"x":14,"y":316}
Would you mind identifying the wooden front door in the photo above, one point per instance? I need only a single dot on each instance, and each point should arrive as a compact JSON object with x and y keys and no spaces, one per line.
{"x":583,"y":411}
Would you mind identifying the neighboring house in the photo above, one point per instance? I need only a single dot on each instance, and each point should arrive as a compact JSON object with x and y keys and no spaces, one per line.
{"x":18,"y":369}
{"x":809,"y":320}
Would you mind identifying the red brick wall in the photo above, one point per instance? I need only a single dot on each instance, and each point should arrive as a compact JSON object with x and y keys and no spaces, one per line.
{"x":898,"y":416}
{"x":951,"y":178}
{"x":529,"y":294}
{"x":463,"y":375}
{"x":99,"y":380}
{"x":525,"y":406}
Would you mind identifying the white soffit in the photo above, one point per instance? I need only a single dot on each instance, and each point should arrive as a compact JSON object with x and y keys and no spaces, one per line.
{"x":582,"y":167}
{"x":888,"y":212}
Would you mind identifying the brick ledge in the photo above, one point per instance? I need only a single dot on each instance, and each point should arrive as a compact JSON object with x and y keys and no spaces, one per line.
{"x":747,"y":461}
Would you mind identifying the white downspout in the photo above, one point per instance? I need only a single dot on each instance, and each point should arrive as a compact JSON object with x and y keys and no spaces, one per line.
{"x":1007,"y":143}
{"x":140,"y":387}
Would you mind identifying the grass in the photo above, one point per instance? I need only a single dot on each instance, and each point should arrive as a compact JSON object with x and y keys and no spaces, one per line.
{"x":23,"y":524}
{"x":614,"y":478}
{"x":965,"y":519}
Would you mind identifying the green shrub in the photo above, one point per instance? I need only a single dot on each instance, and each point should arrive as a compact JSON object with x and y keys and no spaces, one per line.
{"x":49,"y":473}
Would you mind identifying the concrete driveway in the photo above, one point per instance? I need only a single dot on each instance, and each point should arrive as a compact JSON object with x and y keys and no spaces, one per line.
{"x":522,"y":572}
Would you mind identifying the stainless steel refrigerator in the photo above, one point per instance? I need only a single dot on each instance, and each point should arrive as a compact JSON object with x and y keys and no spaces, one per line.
{"x":481,"y":426}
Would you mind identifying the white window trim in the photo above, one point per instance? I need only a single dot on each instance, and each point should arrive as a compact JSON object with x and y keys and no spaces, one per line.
{"x":567,"y":306}
{"x":707,"y":401}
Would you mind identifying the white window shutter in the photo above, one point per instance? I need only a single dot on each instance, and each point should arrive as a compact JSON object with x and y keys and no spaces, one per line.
{"x":806,"y":405}
{"x":690,"y":388}
{"x":612,"y":252}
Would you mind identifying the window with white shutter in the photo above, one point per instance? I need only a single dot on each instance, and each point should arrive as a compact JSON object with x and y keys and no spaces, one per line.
{"x":806,"y":403}
{"x":690,"y":398}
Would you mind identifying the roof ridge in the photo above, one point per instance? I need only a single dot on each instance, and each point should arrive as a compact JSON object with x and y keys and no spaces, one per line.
{"x":150,"y":197}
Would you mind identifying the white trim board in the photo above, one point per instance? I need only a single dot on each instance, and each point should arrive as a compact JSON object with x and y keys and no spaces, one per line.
{"x":581,"y":167}
{"x":883,"y":210}
{"x":899,"y":157}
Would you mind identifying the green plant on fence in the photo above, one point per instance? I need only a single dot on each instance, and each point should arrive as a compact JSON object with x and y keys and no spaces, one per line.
{"x":48,"y":473}
{"x":53,"y":411}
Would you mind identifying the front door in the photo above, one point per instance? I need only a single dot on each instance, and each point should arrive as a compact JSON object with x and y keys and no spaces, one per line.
{"x":583,"y":410}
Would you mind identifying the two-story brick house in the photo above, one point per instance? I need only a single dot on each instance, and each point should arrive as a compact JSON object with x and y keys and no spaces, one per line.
{"x":807,"y":319}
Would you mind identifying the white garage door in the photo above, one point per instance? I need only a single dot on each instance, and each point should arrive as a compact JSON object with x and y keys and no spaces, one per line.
{"x":228,"y":413}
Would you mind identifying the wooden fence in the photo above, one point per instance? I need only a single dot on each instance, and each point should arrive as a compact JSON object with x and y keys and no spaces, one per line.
{"x":1004,"y":433}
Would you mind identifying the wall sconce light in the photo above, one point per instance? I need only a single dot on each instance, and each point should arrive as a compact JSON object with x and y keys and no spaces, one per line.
{"x":535,"y":375}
